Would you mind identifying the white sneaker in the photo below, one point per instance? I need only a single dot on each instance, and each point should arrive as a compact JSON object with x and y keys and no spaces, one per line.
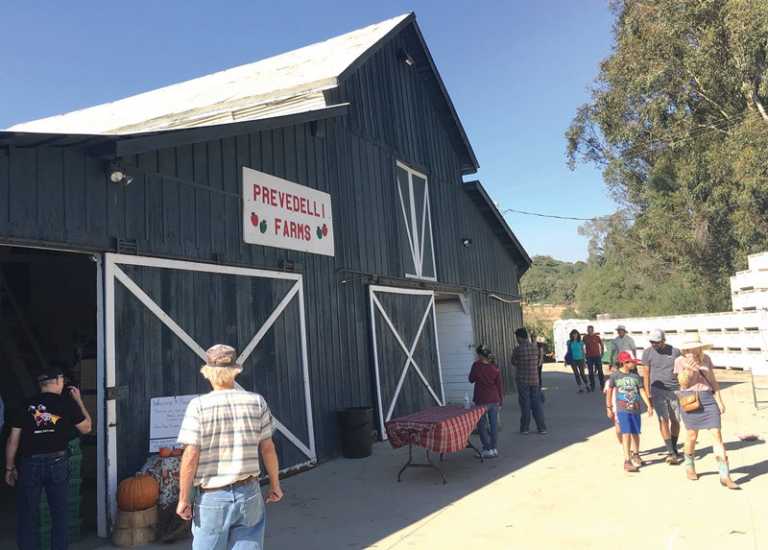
{"x":495,"y":452}
{"x":487,"y":454}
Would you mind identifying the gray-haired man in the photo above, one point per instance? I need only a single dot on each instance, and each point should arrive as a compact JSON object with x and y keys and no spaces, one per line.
{"x":623,"y":342}
{"x":224,"y":433}
{"x":661,"y":384}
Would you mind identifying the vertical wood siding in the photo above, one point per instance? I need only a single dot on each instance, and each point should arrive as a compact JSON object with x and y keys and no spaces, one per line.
{"x":184,"y":203}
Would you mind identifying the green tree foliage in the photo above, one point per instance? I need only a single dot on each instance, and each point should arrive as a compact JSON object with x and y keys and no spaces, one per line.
{"x":550,"y":281}
{"x":625,"y":280}
{"x":541,"y":328}
{"x":678,"y":122}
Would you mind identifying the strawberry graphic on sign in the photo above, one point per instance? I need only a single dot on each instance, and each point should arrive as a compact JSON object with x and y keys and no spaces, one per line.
{"x":325,"y":230}
{"x":255,"y":219}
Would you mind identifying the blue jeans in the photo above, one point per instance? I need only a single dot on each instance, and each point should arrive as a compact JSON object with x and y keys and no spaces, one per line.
{"x":230,"y":518}
{"x":488,"y":426}
{"x":529,"y":397}
{"x":595,"y":364}
{"x":38,"y":472}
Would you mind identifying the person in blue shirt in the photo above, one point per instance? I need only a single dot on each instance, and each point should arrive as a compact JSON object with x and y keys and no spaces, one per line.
{"x":575,"y":357}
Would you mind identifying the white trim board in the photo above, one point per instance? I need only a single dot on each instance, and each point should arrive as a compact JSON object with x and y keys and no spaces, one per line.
{"x":375,"y":305}
{"x":114,"y":273}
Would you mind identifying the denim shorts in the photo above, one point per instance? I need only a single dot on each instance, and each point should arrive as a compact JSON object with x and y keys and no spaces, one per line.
{"x":629,"y":423}
{"x":665,"y":403}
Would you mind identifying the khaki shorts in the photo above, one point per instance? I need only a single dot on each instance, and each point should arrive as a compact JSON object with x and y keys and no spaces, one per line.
{"x":665,"y":403}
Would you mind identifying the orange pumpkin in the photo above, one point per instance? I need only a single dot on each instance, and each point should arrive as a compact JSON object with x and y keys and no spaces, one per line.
{"x":137,"y":493}
{"x":165,"y":452}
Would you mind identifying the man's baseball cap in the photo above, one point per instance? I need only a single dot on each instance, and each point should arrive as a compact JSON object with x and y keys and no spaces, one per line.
{"x":221,"y":355}
{"x":626,"y":357}
{"x":51,"y":373}
{"x":657,"y":335}
{"x":621,"y":327}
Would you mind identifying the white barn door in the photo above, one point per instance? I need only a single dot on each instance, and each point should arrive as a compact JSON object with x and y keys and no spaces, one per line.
{"x":160,"y":317}
{"x":406,"y":352}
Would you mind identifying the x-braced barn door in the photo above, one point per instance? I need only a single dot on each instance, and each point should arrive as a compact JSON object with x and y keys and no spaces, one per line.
{"x":161,"y":316}
{"x":405,"y":347}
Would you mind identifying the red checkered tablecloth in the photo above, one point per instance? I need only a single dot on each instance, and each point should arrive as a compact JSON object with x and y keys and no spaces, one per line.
{"x":439,"y":429}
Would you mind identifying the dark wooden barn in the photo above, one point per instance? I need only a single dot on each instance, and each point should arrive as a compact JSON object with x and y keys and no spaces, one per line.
{"x":380,"y":308}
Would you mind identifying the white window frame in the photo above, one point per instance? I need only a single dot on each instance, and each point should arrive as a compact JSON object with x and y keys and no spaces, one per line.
{"x":415,"y":233}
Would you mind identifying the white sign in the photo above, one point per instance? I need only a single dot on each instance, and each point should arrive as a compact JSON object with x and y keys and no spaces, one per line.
{"x":165,"y":416}
{"x":283,"y":214}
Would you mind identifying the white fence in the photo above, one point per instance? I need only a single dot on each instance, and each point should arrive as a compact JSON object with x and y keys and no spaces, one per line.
{"x":739,"y":339}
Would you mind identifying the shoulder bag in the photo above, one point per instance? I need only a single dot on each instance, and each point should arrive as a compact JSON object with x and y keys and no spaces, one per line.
{"x":689,"y":401}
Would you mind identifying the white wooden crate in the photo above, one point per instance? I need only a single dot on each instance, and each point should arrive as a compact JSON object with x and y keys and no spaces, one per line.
{"x":739,"y":339}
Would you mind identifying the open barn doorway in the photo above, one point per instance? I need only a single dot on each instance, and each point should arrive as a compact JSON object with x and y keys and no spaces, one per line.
{"x":48,"y":318}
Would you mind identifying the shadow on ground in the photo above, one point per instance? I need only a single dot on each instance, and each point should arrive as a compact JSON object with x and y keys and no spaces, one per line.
{"x":354,"y":503}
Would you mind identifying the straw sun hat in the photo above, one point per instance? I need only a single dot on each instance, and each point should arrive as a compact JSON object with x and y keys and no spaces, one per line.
{"x":694,"y":342}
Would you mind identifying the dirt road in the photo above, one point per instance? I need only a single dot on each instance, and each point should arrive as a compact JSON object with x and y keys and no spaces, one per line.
{"x":563,"y":490}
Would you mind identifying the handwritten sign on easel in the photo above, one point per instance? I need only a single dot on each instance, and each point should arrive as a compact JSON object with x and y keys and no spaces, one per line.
{"x":165,"y":416}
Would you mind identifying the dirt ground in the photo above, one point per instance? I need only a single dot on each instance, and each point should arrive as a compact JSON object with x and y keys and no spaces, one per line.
{"x":564,"y":490}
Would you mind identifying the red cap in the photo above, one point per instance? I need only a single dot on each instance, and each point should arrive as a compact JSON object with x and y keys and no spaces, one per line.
{"x":626,"y":357}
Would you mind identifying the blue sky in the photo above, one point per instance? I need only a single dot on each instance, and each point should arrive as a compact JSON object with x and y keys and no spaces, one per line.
{"x":516,"y":71}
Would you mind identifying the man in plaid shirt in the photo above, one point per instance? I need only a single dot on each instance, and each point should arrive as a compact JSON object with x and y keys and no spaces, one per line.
{"x":525,"y":358}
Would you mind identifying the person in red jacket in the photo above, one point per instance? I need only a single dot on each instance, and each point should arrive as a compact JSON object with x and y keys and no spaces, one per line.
{"x":489,"y":392}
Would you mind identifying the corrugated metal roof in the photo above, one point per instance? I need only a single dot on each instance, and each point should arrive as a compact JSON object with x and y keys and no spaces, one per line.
{"x":289,"y":83}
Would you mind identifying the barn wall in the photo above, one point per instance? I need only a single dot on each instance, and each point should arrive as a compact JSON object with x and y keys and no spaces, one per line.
{"x":184,"y":202}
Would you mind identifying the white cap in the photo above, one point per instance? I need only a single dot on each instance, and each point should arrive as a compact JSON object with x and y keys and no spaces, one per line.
{"x":621,"y":327}
{"x":657,"y":335}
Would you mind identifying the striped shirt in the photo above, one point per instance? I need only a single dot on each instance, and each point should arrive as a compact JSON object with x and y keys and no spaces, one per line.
{"x":227,"y":426}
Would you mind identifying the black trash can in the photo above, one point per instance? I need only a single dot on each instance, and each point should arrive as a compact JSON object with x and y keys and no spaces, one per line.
{"x":356,"y":429}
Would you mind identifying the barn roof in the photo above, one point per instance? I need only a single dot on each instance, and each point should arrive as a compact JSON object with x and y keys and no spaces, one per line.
{"x":481,"y":198}
{"x":289,"y":83}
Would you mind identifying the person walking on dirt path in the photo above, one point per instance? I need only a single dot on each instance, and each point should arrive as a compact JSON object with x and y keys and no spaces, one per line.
{"x":575,"y":355}
{"x":661,"y":384}
{"x":701,"y":407}
{"x":225,"y":432}
{"x":623,"y":342}
{"x":489,"y":391}
{"x":40,"y":434}
{"x":627,"y":386}
{"x":593,"y":345}
{"x":525,"y":359}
